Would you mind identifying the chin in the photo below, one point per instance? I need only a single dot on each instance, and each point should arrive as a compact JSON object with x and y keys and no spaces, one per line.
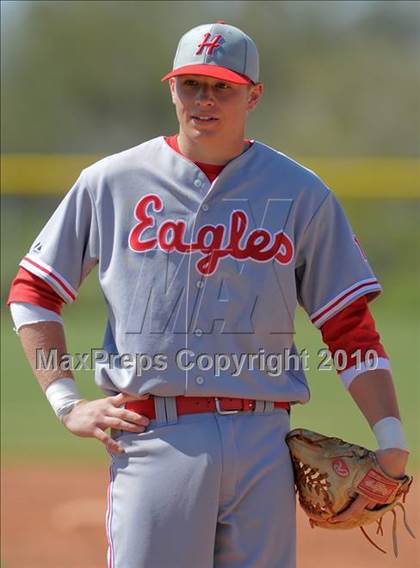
{"x":197,"y":133}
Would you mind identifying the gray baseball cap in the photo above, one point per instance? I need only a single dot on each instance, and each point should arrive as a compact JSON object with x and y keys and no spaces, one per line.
{"x":217,"y":50}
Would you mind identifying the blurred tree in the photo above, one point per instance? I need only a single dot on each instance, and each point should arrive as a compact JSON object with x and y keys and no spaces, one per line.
{"x":342,"y":78}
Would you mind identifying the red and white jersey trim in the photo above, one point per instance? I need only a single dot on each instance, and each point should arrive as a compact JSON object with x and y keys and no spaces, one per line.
{"x":339,"y":302}
{"x":47,"y":273}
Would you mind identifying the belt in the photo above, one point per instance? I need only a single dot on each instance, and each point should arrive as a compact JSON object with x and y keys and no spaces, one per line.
{"x":197,"y":404}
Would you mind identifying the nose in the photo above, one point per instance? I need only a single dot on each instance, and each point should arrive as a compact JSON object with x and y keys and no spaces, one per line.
{"x":204,"y":96}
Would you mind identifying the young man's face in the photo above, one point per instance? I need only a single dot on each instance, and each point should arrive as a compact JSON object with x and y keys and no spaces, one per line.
{"x":208,"y":107}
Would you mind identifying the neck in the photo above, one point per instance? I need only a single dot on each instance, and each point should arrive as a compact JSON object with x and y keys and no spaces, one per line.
{"x":210,"y":151}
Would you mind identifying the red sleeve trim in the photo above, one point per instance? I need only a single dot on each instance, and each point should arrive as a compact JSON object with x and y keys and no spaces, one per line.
{"x":27,"y":287}
{"x":353,"y":331}
{"x":362,"y":288}
{"x":47,"y":273}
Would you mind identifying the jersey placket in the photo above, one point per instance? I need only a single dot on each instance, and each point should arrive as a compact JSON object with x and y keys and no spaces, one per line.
{"x":195,"y":378}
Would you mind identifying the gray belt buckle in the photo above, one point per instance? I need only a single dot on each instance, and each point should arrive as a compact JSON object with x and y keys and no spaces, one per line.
{"x":222,"y":412}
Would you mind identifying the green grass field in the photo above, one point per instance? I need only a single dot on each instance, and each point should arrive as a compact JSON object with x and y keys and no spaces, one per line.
{"x":389,"y":233}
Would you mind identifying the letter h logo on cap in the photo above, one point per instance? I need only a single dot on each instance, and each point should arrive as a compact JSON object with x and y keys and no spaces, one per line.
{"x":211,"y":45}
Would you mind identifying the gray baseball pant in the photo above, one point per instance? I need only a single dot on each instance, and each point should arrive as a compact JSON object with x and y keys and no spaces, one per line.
{"x":203,"y":491}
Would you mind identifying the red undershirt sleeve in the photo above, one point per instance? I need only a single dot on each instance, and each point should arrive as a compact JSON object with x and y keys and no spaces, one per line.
{"x":353,"y":331}
{"x":27,"y":287}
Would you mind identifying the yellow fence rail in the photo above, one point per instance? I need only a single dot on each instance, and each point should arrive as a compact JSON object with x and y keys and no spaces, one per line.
{"x":54,"y":174}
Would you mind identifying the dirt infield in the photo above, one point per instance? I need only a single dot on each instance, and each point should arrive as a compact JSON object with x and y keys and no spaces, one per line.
{"x":54,"y":517}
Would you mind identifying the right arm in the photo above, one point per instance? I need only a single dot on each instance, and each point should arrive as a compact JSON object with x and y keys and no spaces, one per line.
{"x":87,"y":418}
{"x":62,"y":255}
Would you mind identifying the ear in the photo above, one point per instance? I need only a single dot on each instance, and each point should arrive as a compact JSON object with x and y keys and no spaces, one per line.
{"x":172,"y":88}
{"x":254,"y":95}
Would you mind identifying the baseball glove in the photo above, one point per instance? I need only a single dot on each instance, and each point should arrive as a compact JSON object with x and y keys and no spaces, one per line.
{"x":331,"y":473}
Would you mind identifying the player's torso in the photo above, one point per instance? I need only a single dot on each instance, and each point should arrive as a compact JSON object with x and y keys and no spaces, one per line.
{"x":209,"y":265}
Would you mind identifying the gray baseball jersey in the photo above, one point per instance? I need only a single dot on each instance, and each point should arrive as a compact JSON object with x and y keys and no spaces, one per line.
{"x":202,"y":280}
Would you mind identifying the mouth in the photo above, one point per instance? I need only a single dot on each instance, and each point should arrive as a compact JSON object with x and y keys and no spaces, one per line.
{"x":204,"y":119}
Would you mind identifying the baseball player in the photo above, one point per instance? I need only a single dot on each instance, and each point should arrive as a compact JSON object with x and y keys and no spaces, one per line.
{"x":206,"y":242}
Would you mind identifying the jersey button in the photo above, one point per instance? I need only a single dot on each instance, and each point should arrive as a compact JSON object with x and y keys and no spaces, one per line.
{"x":199,"y":283}
{"x":197,"y":183}
{"x":199,"y":380}
{"x":205,"y":207}
{"x":198,"y":332}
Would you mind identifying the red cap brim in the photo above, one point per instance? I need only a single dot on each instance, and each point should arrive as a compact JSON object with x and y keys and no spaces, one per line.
{"x":209,"y":71}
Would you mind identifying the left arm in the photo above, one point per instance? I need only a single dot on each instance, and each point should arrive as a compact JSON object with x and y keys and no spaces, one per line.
{"x":335,"y":283}
{"x":374,"y":393}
